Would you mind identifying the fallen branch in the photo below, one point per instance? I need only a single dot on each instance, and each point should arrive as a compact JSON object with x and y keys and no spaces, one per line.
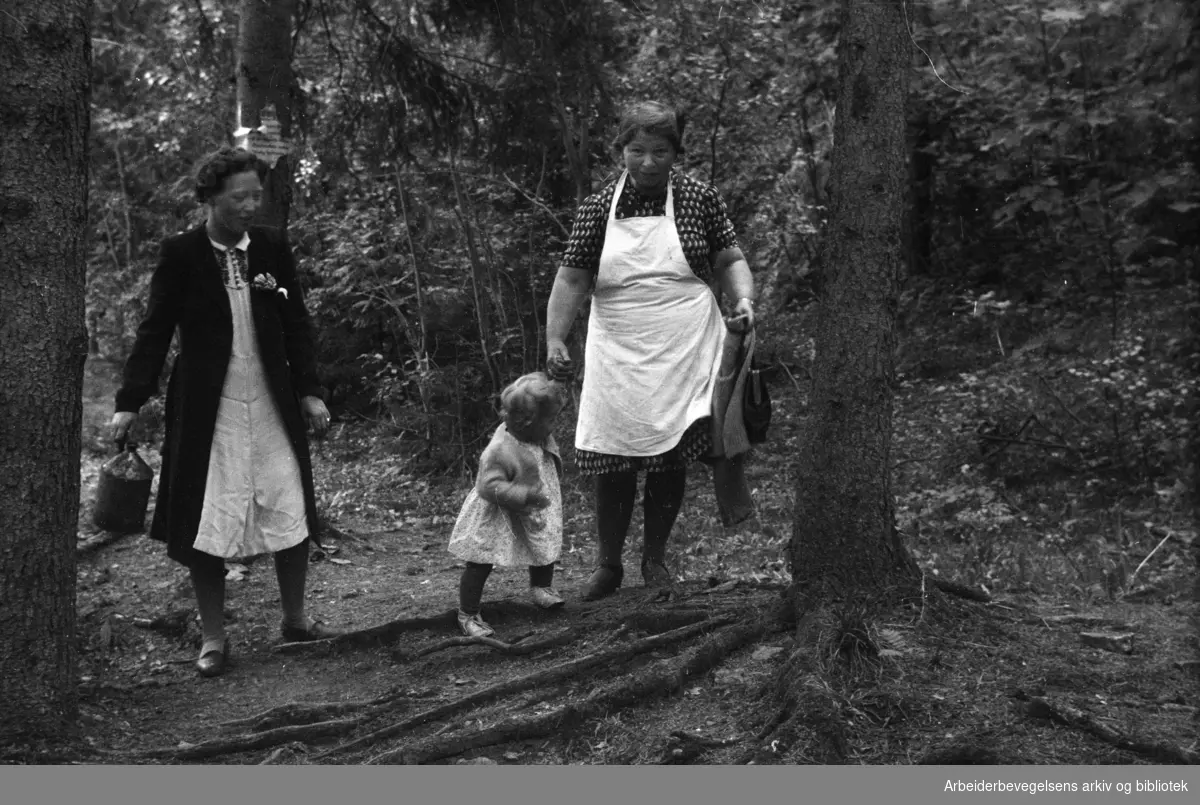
{"x":1061,"y":713}
{"x":530,"y":681}
{"x":1133,"y":575}
{"x":684,"y":747}
{"x":1007,"y":440}
{"x":1074,"y":619}
{"x":960,"y":590}
{"x":658,"y":679}
{"x":661,"y":620}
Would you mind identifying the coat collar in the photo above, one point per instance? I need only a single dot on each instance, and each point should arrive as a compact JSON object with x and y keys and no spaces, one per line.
{"x":242,"y":245}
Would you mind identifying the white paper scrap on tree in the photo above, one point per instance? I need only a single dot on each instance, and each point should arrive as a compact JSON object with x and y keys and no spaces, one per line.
{"x":265,"y":141}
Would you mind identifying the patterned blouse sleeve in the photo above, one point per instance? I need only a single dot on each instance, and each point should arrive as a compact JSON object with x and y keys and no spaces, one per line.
{"x":718,"y":229}
{"x":587,"y":235}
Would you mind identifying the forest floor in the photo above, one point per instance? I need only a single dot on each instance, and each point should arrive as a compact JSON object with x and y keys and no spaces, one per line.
{"x":1073,"y":658}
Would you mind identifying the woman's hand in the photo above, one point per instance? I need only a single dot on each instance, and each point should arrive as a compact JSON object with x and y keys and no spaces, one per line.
{"x":120,"y":425}
{"x":558,"y":361}
{"x":742,"y":320}
{"x":316,"y":414}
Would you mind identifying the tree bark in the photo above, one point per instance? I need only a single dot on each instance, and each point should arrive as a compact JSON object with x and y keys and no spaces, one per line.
{"x":844,"y":540}
{"x":45,"y":58}
{"x":265,"y":83}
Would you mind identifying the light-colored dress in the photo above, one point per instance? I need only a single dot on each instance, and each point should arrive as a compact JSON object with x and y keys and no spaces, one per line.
{"x":253,"y":496}
{"x":488,"y":533}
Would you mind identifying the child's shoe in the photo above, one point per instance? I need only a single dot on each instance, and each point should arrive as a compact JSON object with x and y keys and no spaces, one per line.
{"x":473,"y":625}
{"x":546,"y":597}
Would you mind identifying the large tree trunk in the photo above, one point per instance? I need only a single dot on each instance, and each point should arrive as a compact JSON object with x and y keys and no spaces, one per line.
{"x":844,"y":542}
{"x":45,"y":58}
{"x":264,"y":91}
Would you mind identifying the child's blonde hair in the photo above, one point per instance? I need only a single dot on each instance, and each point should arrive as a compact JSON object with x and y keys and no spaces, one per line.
{"x":529,"y":397}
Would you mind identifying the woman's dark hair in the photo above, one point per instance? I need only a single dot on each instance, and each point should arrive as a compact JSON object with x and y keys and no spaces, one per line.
{"x":218,"y":166}
{"x":654,"y":118}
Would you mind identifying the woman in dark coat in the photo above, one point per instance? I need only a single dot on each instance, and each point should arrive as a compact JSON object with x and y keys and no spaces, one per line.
{"x":236,"y":476}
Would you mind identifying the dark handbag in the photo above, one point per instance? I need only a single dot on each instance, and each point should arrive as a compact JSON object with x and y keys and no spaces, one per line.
{"x":756,"y":405}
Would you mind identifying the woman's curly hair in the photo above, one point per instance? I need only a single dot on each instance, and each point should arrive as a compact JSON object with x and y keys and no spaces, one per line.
{"x":218,"y":166}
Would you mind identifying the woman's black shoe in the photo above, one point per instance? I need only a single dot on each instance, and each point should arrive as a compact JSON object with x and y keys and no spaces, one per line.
{"x":213,"y":662}
{"x":603,"y":582}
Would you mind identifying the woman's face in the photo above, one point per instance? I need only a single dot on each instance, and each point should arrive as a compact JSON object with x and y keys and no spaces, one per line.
{"x":233,"y":209}
{"x":648,"y":158}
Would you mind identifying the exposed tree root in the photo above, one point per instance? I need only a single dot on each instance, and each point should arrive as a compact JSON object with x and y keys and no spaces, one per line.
{"x":1062,"y":713}
{"x":662,"y":620}
{"x":277,"y":754}
{"x":295,"y":713}
{"x":540,"y":678}
{"x":960,"y":590}
{"x":303,"y":733}
{"x":102,"y":540}
{"x":657,"y":679}
{"x":518,"y":648}
{"x":388,"y":633}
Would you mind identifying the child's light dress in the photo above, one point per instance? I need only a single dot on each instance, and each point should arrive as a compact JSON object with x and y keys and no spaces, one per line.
{"x":488,"y":533}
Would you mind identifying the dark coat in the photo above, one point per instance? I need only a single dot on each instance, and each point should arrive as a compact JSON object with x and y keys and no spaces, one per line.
{"x":187,"y":291}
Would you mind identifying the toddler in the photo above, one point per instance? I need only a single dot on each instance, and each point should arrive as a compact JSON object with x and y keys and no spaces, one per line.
{"x":513,"y":516}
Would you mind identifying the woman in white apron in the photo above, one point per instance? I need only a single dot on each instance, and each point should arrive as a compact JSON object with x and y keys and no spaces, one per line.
{"x":649,"y":242}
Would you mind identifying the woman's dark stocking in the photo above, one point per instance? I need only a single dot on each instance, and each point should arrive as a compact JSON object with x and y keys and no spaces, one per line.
{"x":660,"y":507}
{"x":208,"y":581}
{"x":615,"y":494}
{"x":470,"y":586}
{"x":291,"y":570}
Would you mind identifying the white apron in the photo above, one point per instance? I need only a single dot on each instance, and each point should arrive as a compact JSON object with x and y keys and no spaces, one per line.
{"x":654,"y":340}
{"x":253,"y":495}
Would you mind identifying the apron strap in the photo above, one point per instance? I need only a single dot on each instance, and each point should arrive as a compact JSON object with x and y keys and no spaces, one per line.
{"x":612,"y":206}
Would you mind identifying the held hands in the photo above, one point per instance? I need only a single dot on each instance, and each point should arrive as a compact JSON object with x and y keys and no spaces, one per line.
{"x":558,"y":362}
{"x":315,"y":414}
{"x":742,"y":320}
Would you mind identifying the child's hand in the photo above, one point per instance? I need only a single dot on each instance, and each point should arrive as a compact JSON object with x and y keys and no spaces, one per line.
{"x":536,"y":499}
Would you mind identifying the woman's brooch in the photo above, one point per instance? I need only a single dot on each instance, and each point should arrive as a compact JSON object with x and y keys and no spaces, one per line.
{"x":265,"y":282}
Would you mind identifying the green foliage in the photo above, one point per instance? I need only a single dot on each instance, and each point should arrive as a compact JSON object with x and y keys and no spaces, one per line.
{"x":1055,"y":129}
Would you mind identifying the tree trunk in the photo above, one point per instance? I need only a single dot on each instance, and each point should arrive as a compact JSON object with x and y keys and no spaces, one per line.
{"x":844,"y":542}
{"x":264,"y":94}
{"x":45,"y":58}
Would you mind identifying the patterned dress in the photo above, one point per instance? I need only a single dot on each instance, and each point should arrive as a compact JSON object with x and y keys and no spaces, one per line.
{"x":704,"y":229}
